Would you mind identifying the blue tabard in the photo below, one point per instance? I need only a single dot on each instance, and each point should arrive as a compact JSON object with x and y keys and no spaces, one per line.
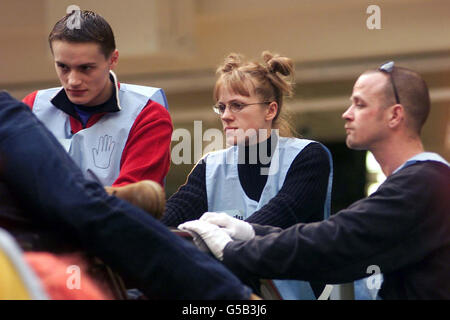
{"x":97,"y":150}
{"x":225,"y":193}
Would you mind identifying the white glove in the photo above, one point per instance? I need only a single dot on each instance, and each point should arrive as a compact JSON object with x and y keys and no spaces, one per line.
{"x":215,"y":238}
{"x":235,"y":228}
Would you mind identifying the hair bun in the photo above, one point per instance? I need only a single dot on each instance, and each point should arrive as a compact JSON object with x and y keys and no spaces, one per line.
{"x":232,"y":61}
{"x":276,"y":63}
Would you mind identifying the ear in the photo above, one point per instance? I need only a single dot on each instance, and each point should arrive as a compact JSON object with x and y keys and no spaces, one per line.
{"x":271,"y":111}
{"x":396,"y":115}
{"x":113,"y":59}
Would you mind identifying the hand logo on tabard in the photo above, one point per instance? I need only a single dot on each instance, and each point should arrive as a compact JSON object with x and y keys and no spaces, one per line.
{"x":102,"y":154}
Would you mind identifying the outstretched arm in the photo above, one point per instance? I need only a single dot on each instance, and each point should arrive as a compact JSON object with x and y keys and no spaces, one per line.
{"x":397,"y":226}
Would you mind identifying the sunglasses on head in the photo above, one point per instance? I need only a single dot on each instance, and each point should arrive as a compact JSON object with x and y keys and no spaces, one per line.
{"x":388,"y":68}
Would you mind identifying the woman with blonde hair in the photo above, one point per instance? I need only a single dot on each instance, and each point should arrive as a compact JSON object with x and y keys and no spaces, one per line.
{"x":266,"y":176}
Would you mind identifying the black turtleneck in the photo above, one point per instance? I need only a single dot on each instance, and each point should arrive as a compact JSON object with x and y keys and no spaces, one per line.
{"x":256,"y":157}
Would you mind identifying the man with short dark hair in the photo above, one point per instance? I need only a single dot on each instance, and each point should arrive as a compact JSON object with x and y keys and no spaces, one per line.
{"x":403,"y":228}
{"x":116,"y":133}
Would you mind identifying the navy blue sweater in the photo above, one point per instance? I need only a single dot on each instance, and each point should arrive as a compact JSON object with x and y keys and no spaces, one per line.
{"x":403,"y":228}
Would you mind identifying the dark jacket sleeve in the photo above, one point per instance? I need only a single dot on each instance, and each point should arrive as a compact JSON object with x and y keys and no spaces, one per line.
{"x":398,"y":225}
{"x":302,"y":196}
{"x":190,"y":201}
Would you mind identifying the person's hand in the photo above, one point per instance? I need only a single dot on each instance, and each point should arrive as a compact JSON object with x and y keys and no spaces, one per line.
{"x":235,"y":228}
{"x":215,"y":238}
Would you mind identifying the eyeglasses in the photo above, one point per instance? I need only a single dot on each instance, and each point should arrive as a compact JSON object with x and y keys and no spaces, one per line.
{"x":234,"y":106}
{"x":388,"y":68}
